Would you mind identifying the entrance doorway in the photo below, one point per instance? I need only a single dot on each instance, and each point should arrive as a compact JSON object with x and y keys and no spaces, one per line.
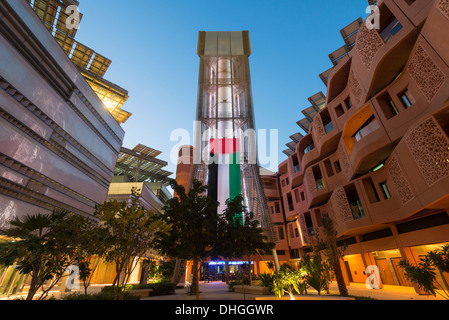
{"x":384,"y":271}
{"x":399,"y":273}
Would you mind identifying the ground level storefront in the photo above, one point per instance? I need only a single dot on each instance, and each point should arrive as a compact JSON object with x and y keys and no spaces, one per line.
{"x":357,"y":267}
{"x":214,"y":270}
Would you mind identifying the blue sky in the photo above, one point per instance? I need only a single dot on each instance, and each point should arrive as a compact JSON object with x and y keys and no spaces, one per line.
{"x":152,"y":45}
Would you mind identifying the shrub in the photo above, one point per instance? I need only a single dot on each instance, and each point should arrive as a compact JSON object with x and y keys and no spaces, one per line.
{"x":232,"y":284}
{"x":266,"y":280}
{"x":159,"y":288}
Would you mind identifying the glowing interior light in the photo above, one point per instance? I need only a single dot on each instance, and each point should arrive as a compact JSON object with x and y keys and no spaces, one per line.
{"x":107,"y":104}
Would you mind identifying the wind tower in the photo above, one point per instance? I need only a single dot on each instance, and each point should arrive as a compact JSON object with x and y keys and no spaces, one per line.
{"x":225,"y":148}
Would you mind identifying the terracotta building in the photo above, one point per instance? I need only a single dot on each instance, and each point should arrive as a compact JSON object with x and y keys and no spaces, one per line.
{"x":375,"y":155}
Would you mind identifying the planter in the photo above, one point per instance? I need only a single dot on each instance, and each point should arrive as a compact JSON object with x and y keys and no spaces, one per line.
{"x":143,"y":293}
{"x":252,"y":289}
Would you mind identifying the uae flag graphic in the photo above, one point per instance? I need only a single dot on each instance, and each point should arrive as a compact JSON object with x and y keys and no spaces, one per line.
{"x":224,"y":173}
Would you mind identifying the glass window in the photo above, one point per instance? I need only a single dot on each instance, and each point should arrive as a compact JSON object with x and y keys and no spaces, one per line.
{"x":407,"y":99}
{"x":337,"y":166}
{"x":281,"y":233}
{"x":391,"y":105}
{"x":276,"y":205}
{"x":385,"y":190}
{"x":348,"y":104}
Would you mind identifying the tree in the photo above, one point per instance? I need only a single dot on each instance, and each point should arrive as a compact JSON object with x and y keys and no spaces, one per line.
{"x":129,"y":232}
{"x":89,"y":243}
{"x":423,"y":273}
{"x":229,"y":228}
{"x":238,"y":234}
{"x":333,"y":253}
{"x":43,"y":246}
{"x":193,"y":218}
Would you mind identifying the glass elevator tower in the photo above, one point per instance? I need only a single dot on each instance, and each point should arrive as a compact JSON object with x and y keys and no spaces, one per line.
{"x":226,"y":153}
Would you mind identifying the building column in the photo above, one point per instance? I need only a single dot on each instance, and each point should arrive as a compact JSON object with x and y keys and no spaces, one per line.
{"x":344,"y":271}
{"x":407,"y":253}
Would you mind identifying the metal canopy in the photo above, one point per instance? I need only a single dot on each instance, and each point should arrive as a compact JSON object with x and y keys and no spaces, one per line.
{"x":141,"y":165}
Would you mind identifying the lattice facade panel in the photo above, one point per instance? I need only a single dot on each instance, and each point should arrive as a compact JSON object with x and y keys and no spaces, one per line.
{"x":429,"y":146}
{"x":367,"y":45}
{"x":426,"y":73}
{"x":400,"y":182}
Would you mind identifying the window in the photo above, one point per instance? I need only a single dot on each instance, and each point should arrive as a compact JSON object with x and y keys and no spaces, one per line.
{"x":281,"y":233}
{"x":393,"y":109}
{"x":296,"y":232}
{"x":434,"y":220}
{"x":309,"y":224}
{"x":391,"y":30}
{"x":290,"y":229}
{"x":368,"y":127}
{"x":327,"y":121}
{"x":303,"y":197}
{"x":295,"y":163}
{"x":294,"y":254}
{"x":354,"y":202}
{"x":385,"y":191}
{"x":297,"y":198}
{"x":272,"y":209}
{"x":348,"y":104}
{"x":309,"y":148}
{"x":276,"y":205}
{"x":337,"y":166}
{"x":388,"y":106}
{"x":287,"y":182}
{"x":290,"y":202}
{"x":389,"y":24}
{"x":328,"y":166}
{"x":407,"y":99}
{"x":339,"y":110}
{"x":370,"y":189}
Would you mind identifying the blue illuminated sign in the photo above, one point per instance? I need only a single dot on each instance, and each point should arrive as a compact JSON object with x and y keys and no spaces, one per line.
{"x":221,"y":263}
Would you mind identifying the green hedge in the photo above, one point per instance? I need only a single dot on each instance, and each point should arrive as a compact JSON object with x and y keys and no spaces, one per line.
{"x":98,"y":296}
{"x":159,"y":288}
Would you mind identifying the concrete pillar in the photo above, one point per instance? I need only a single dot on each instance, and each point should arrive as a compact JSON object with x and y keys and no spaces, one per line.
{"x":408,"y":253}
{"x":344,"y":271}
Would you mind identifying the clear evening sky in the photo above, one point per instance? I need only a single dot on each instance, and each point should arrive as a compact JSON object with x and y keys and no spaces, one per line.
{"x":153,"y":44}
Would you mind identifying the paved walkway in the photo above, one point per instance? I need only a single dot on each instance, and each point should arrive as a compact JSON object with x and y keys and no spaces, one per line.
{"x":219,"y":291}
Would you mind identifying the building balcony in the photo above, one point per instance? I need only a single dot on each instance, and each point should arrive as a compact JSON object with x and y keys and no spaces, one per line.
{"x":349,"y":209}
{"x":315,"y":185}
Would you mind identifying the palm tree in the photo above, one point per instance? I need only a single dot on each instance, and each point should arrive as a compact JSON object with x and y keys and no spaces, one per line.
{"x":35,"y":244}
{"x":333,"y":252}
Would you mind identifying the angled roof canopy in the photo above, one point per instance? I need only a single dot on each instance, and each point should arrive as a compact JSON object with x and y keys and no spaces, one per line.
{"x":141,"y":165}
